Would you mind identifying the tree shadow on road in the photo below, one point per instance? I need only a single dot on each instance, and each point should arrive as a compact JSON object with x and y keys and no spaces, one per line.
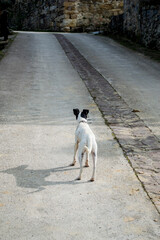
{"x":28,"y":178}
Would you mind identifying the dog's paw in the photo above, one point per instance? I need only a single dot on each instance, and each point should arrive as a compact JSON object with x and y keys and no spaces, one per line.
{"x":72,"y":164}
{"x":79,"y":178}
{"x":86,"y":165}
{"x":92,"y":180}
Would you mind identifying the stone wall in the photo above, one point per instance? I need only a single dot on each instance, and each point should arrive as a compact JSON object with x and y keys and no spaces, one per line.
{"x":150,"y":24}
{"x":36,"y":14}
{"x":131,"y":23}
{"x":90,"y":15}
{"x":142,"y":21}
{"x":65,"y":15}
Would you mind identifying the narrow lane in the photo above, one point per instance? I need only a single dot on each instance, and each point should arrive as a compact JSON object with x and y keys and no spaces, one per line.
{"x":39,"y":198}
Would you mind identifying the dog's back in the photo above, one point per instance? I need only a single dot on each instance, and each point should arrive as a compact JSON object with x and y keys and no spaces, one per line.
{"x":85,"y":137}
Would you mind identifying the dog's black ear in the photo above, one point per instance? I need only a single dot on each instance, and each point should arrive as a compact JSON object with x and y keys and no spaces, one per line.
{"x":76,"y":112}
{"x":84,"y":113}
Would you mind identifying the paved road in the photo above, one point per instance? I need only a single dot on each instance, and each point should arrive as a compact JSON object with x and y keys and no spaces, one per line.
{"x":135,"y":77}
{"x":39,"y":197}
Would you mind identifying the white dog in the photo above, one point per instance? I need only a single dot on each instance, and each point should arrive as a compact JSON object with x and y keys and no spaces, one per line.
{"x":84,"y":142}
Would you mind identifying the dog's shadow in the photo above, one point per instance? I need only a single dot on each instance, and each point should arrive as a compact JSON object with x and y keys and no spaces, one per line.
{"x":28,"y":178}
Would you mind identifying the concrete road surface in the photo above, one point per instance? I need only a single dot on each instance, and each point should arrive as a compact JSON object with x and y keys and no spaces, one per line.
{"x":135,"y":77}
{"x":40,"y":198}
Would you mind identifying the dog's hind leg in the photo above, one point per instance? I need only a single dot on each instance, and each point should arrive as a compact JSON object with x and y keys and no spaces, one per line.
{"x":94,"y":156}
{"x":74,"y":156}
{"x":80,"y":157}
{"x":87,"y":159}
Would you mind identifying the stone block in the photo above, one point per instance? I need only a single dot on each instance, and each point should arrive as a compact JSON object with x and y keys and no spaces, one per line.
{"x":73,"y":16}
{"x":68,"y":4}
{"x":106,"y":7}
{"x":69,"y":22}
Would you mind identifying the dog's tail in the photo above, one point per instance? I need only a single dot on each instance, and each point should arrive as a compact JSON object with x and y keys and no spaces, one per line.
{"x":88,"y":148}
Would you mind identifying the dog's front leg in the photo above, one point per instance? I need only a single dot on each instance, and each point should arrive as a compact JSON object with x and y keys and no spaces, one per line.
{"x":74,"y":156}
